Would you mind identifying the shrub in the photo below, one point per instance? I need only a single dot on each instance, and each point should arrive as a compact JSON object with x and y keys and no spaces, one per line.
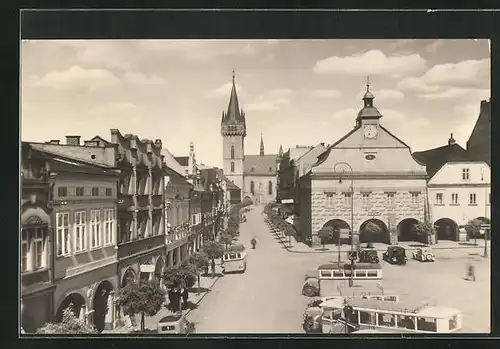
{"x":70,"y":324}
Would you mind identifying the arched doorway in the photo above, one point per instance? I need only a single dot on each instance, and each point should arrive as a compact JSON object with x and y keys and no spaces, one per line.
{"x":377,"y":231}
{"x":406,"y":232}
{"x":75,"y":301}
{"x":159,"y":268}
{"x":340,"y":227}
{"x":446,"y":229}
{"x":100,"y":303}
{"x":128,"y":277}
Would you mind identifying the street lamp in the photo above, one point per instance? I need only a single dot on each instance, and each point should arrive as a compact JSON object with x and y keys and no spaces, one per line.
{"x":485,"y":255}
{"x":346,"y":165}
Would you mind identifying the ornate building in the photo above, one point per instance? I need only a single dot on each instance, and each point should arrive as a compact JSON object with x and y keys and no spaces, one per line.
{"x":369,"y":175}
{"x":255,"y":175}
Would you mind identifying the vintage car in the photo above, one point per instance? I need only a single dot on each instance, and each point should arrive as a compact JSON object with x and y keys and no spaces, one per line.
{"x":175,"y":324}
{"x":424,"y":255}
{"x":395,"y":255}
{"x":311,"y":285}
{"x":368,"y":256}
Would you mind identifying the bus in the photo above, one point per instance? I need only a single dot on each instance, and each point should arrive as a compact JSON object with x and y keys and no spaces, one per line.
{"x":234,"y":259}
{"x":394,"y":317}
{"x":335,"y":275}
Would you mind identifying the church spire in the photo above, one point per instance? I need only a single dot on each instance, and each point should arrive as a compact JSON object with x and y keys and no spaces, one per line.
{"x":369,"y":111}
{"x":234,"y":119}
{"x":261,"y":145}
{"x":280,"y":152}
{"x":368,"y":97}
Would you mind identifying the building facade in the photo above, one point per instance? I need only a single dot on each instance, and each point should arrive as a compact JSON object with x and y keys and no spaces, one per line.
{"x":36,"y":240}
{"x":255,"y":175}
{"x":369,"y":175}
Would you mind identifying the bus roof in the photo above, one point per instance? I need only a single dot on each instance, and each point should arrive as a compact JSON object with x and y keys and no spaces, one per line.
{"x":375,"y":304}
{"x":236,"y":248}
{"x":438,"y":312}
{"x":345,"y":265}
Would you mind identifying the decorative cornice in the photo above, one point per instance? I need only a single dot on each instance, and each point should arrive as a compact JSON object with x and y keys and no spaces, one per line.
{"x":368,"y":175}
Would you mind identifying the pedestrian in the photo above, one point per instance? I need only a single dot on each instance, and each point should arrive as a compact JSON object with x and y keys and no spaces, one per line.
{"x":213,"y":266}
{"x":185,"y":296}
{"x":471,"y":275}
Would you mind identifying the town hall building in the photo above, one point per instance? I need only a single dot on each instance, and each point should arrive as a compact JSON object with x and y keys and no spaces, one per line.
{"x":255,"y":175}
{"x":369,"y":175}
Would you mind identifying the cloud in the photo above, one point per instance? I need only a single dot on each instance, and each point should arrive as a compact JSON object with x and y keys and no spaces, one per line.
{"x":467,"y":109}
{"x":373,"y":62}
{"x":77,"y":78}
{"x":455,"y":92}
{"x":274,"y":99}
{"x":434,"y":46}
{"x":102,"y":53}
{"x":345,"y":114}
{"x":124,"y":112}
{"x":269,"y":58}
{"x":224,"y":91}
{"x":326,"y":93}
{"x":416,"y":85}
{"x":385,"y":95}
{"x":141,"y":79}
{"x":468,"y":73}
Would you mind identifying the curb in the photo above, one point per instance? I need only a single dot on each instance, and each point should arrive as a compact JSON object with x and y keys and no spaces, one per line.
{"x":204,"y":294}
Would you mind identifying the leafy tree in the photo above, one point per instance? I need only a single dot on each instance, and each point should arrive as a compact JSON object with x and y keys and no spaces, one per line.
{"x":213,"y":250}
{"x":200,"y":262}
{"x":144,"y":297}
{"x":70,"y":324}
{"x":370,"y":230}
{"x":473,"y":229}
{"x":424,"y":230}
{"x":226,"y":239}
{"x":232,"y":231}
{"x":183,"y":276}
{"x":325,"y":233}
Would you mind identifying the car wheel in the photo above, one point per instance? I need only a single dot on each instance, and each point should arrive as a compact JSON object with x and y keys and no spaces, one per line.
{"x":309,"y":292}
{"x":428,"y":257}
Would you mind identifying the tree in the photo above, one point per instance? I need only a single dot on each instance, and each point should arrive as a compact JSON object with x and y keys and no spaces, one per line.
{"x":70,"y":324}
{"x":424,"y":230}
{"x":213,"y":250}
{"x":369,"y":232}
{"x":183,"y":276}
{"x":325,"y":233}
{"x":473,"y":229}
{"x":200,"y":262}
{"x":232,"y":231}
{"x":226,"y":239}
{"x":143,"y":297}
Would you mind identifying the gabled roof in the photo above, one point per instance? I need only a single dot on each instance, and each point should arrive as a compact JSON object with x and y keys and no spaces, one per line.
{"x":230,"y":184}
{"x":234,"y":115}
{"x":258,"y":165}
{"x":435,"y":158}
{"x":171,"y":163}
{"x":100,"y":140}
{"x":182,"y":160}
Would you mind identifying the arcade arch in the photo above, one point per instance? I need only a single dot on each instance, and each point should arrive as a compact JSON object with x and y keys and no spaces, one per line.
{"x":382,"y":235}
{"x":446,"y":229}
{"x":406,"y":232}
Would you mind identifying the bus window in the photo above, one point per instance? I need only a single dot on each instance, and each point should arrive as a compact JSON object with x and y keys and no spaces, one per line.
{"x":366,"y":318}
{"x":386,"y":320}
{"x":338,"y":273}
{"x":238,"y":255}
{"x":453,"y":322}
{"x":379,"y":298}
{"x":406,"y":322}
{"x":425,"y":324}
{"x":232,"y":256}
{"x":360,"y":273}
{"x":326,"y":273}
{"x":372,"y":273}
{"x":391,"y":298}
{"x":347,"y":272}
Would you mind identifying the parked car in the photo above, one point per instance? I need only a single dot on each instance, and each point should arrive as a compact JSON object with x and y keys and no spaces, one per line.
{"x":424,"y":255}
{"x":311,"y":285}
{"x":395,"y":255}
{"x":175,"y":324}
{"x":368,"y":256}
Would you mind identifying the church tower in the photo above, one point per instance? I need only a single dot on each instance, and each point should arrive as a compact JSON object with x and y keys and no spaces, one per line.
{"x":233,"y":131}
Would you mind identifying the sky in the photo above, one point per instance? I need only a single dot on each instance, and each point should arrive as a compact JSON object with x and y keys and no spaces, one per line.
{"x":294,"y":92}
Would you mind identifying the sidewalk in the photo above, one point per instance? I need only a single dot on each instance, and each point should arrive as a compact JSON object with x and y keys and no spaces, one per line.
{"x":207,"y":282}
{"x":300,"y":247}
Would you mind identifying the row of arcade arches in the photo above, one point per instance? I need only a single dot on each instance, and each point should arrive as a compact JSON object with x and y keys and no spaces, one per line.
{"x":77,"y":301}
{"x":446,"y":229}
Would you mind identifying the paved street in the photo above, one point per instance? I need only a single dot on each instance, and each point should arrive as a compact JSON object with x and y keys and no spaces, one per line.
{"x":267,"y":297}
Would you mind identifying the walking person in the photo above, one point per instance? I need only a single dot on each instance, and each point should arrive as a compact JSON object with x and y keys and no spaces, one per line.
{"x":185,"y":296}
{"x":471,"y":273}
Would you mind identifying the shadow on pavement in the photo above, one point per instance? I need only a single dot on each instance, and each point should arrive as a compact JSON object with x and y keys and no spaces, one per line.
{"x":200,"y":289}
{"x":216,"y":275}
{"x":321,"y":249}
{"x":417,"y":245}
{"x":189,"y":306}
{"x":468,"y":244}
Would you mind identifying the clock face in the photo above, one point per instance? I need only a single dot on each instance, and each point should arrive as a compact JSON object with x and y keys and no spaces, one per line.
{"x":370,"y":131}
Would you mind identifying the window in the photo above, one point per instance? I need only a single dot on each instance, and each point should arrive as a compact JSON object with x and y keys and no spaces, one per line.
{"x":338,"y":273}
{"x":425,"y":324}
{"x":95,"y":228}
{"x":439,"y":199}
{"x":347,"y":272}
{"x":414,"y":198}
{"x":232,"y":152}
{"x":109,"y":192}
{"x":453,"y":322}
{"x":365,"y":197}
{"x":62,"y":235}
{"x":454,"y":199}
{"x":388,"y":320}
{"x":80,"y":235}
{"x":360,"y":273}
{"x":367,"y":318}
{"x":347,"y":198}
{"x":62,"y":191}
{"x":372,"y":274}
{"x":252,"y":188}
{"x":38,"y":249}
{"x":232,"y":166}
{"x":108,"y":226}
{"x":80,"y":191}
{"x":24,"y":250}
{"x":390,"y":298}
{"x":329,"y":198}
{"x":270,"y":188}
{"x":326,"y":273}
{"x":390,"y":198}
{"x":472,"y":198}
{"x":95,"y":191}
{"x":406,"y":322}
{"x":465,"y":174}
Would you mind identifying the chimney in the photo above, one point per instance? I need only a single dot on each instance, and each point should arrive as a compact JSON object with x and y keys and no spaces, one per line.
{"x":72,"y":140}
{"x":451,"y":140}
{"x":91,"y":143}
{"x":54,"y":141}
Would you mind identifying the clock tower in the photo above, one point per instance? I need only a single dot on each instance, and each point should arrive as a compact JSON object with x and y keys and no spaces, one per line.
{"x":368,"y":117}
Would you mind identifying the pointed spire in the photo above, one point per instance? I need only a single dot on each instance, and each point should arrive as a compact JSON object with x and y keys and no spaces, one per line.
{"x":451,"y":140}
{"x":280,"y":152}
{"x":368,"y":84}
{"x":261,"y":145}
{"x":233,"y":76}
{"x":368,"y":97}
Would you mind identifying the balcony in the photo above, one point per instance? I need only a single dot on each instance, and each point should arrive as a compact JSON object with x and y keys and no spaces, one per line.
{"x":139,"y":246}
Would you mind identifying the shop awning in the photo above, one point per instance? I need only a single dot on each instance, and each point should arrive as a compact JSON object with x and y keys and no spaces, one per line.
{"x":34,"y":216}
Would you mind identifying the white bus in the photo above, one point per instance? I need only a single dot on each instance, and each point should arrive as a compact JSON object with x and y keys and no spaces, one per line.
{"x":394,"y":317}
{"x":234,"y":259}
{"x":335,"y":275}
